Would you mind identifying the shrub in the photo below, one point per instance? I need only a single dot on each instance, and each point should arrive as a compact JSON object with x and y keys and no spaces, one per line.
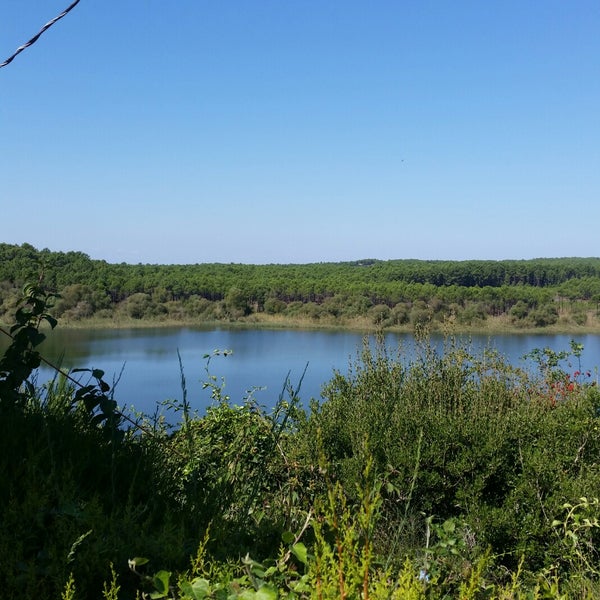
{"x":379,"y":314}
{"x":274,"y":306}
{"x":400,"y":313}
{"x":519,"y":311}
{"x":199,"y":307}
{"x":544,"y":315}
{"x":579,"y":317}
{"x":138,"y":305}
{"x":420,"y":314}
{"x":466,"y":436}
{"x":472,"y":313}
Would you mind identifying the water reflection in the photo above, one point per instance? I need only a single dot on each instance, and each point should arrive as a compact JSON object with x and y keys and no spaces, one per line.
{"x":261,"y":358}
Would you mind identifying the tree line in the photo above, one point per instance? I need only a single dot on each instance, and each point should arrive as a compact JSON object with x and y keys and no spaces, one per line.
{"x":387,"y":292}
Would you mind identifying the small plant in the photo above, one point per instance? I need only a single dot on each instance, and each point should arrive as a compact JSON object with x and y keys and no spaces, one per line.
{"x":576,"y":531}
{"x":98,"y":402}
{"x":21,"y":358}
{"x":111,"y":589}
{"x":233,"y":467}
{"x":343,"y":556}
{"x":69,"y":591}
{"x":216,"y":389}
{"x":450,"y":556}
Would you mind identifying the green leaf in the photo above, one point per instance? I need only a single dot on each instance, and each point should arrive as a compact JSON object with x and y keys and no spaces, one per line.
{"x":36,"y":338}
{"x":138,"y":561}
{"x":90,"y":403}
{"x":449,"y":526}
{"x":266,"y":592}
{"x":300,"y":552}
{"x":198,"y":589}
{"x":288,"y":537}
{"x":97,"y":420}
{"x":161,"y":584}
{"x":107,"y":405}
{"x":51,"y":320}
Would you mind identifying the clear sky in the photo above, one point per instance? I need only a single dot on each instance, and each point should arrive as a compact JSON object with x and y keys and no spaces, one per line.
{"x":278,"y":131}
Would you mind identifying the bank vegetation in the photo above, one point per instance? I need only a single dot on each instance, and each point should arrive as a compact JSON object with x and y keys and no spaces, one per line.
{"x":554,"y":294}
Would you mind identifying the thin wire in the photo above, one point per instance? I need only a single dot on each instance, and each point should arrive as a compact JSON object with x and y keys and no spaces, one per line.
{"x":35,"y":38}
{"x":68,"y":376}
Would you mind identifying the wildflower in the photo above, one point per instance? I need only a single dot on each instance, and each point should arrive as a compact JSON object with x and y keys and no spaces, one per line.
{"x":423,"y":576}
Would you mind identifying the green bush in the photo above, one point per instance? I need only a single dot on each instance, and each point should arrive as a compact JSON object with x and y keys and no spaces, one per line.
{"x":544,"y":315}
{"x":458,"y":435}
{"x":379,"y":314}
{"x":274,"y":306}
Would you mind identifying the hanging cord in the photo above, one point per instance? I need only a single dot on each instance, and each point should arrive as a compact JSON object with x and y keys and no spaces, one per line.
{"x":35,"y":38}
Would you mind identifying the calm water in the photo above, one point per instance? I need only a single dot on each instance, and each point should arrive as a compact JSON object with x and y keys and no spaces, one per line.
{"x":261,"y":358}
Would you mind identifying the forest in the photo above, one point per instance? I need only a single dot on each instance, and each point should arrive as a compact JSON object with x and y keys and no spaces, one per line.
{"x":392,"y":293}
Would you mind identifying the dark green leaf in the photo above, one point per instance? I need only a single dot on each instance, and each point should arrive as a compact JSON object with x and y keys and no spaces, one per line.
{"x":288,"y":537}
{"x":161,"y":584}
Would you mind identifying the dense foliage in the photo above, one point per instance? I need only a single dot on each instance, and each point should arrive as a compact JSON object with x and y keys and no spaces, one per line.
{"x":450,"y":476}
{"x":529,"y":293}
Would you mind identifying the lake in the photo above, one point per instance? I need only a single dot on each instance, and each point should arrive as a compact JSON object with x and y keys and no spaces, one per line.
{"x":260,"y":358}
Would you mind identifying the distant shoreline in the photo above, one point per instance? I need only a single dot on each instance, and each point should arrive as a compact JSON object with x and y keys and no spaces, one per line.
{"x":491,"y":326}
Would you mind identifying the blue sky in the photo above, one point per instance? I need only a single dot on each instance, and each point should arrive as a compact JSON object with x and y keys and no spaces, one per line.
{"x":278,"y":131}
